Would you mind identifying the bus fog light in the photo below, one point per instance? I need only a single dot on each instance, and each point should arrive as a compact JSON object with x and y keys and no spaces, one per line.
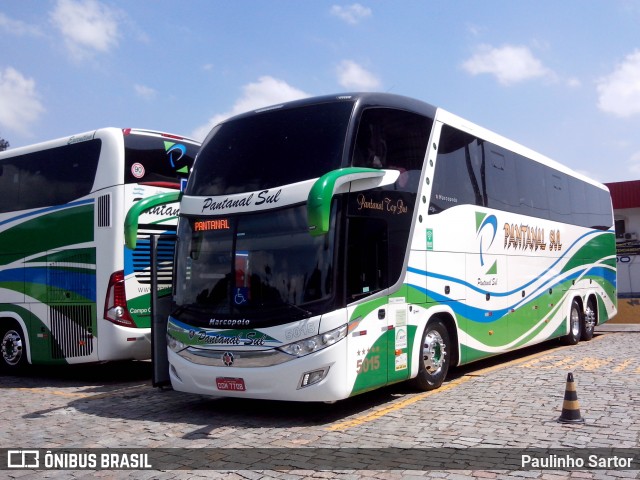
{"x":313,"y":377}
{"x":175,"y":372}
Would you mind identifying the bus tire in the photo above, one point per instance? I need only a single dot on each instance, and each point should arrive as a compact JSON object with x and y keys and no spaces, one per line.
{"x":13,"y":355}
{"x":576,"y":320}
{"x":435,"y":357}
{"x":590,"y":319}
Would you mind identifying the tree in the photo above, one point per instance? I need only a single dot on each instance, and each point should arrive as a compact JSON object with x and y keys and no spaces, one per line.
{"x":3,"y":144}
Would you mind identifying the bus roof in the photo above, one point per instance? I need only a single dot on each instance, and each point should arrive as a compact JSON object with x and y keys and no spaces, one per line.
{"x":364,"y":99}
{"x":78,"y":137}
{"x":374,"y":99}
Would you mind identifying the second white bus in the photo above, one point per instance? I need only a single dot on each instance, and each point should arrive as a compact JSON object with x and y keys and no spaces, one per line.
{"x":69,"y":290}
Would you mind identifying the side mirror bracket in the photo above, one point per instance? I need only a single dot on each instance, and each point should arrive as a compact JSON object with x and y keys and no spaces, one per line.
{"x":133,"y":215}
{"x":341,"y":181}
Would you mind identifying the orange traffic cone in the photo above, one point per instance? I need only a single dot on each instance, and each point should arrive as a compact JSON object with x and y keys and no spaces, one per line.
{"x":570,"y":406}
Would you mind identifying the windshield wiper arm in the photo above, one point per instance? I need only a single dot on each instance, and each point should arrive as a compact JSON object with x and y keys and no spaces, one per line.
{"x":307,"y":313}
{"x":291,"y":306}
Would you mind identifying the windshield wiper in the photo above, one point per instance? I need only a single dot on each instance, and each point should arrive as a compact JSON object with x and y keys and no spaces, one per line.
{"x":274,"y":307}
{"x":306,"y":313}
{"x":357,"y":296}
{"x":191,"y":308}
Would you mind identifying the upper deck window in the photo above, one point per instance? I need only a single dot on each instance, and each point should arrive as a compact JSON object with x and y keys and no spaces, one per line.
{"x":154,"y":159}
{"x":276,"y":147}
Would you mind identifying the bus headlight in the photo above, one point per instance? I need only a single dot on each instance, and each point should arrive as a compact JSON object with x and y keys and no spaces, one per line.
{"x":313,"y":344}
{"x":174,"y":344}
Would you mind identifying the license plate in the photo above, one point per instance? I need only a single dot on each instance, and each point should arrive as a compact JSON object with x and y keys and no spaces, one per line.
{"x":229,"y":383}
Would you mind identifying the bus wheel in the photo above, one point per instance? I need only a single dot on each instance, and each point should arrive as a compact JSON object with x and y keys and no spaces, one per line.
{"x":435,"y":358}
{"x":12,"y":350}
{"x":575,"y":325}
{"x":590,"y":320}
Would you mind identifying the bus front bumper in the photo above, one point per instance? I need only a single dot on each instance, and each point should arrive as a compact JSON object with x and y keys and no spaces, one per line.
{"x":320,"y":376}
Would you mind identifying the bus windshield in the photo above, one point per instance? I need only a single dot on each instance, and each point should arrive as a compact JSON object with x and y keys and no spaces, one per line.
{"x":157,"y":160}
{"x":272,"y":148}
{"x":264,"y":267}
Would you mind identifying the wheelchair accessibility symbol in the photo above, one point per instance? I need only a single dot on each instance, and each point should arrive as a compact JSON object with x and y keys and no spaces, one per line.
{"x":242,"y":295}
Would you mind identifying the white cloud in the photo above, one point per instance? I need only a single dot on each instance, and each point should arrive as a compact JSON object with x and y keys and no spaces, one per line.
{"x":619,"y":92}
{"x":351,"y":13}
{"x":353,"y":76}
{"x":475,"y":30}
{"x":145,"y":92}
{"x":20,"y":102}
{"x":509,"y":64}
{"x":87,"y":26}
{"x":265,"y":92}
{"x":18,"y":27}
{"x":573,"y":82}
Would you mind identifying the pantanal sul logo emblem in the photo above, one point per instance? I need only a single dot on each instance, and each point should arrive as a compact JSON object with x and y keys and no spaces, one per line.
{"x":486,"y":229}
{"x":175,"y":152}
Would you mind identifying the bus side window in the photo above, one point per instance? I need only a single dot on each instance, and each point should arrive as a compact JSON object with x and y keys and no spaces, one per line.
{"x":371,"y":146}
{"x":459,"y":173}
{"x":501,"y":179}
{"x":559,"y":197}
{"x":9,"y":186}
{"x":393,"y":139}
{"x":532,"y":188}
{"x":50,"y":177}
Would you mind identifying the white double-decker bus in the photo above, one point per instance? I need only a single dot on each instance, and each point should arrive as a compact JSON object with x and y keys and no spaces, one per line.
{"x":333,"y":245}
{"x":69,"y":290}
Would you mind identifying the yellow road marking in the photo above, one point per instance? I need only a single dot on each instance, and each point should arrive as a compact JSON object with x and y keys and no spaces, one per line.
{"x":396,"y":406}
{"x":369,"y":417}
{"x":529,"y":359}
{"x":526,"y":362}
{"x":623,"y":365}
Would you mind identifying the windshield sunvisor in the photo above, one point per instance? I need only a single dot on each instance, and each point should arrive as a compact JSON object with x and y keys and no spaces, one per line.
{"x":246,"y":202}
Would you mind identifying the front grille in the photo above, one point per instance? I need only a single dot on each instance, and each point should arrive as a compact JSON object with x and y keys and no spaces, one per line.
{"x":71,"y":331}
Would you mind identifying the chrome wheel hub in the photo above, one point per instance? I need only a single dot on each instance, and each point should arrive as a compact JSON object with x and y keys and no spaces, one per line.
{"x":12,"y":347}
{"x":433,"y":352}
{"x":590,"y":318}
{"x":575,"y":322}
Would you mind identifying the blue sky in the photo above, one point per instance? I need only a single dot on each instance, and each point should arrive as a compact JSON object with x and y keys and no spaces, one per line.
{"x":561,"y":77}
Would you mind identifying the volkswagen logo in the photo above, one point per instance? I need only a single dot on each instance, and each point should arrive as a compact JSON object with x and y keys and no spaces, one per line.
{"x":227,"y":358}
